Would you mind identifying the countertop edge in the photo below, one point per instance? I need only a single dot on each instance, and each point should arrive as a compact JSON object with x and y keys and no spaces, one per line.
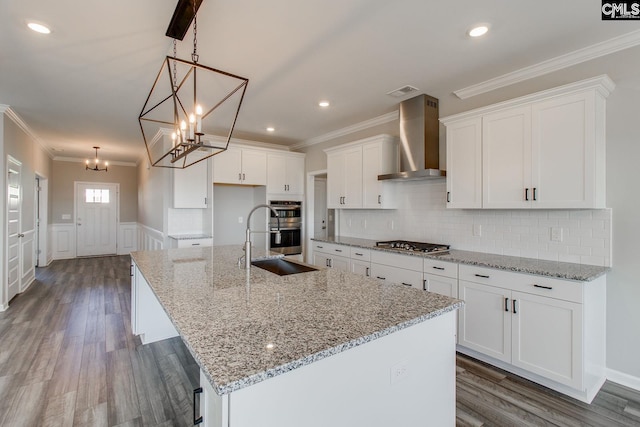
{"x":455,"y":256}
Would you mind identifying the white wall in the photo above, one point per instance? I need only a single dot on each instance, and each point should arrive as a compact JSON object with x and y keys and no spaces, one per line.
{"x":232,"y":202}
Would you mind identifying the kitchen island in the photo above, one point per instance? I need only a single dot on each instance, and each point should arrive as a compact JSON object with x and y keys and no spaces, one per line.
{"x":314,"y":349}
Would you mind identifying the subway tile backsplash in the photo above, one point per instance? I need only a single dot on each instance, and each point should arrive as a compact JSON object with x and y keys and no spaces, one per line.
{"x":422,"y":216}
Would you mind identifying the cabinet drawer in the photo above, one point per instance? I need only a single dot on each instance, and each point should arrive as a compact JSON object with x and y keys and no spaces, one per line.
{"x":361,"y":254}
{"x":441,"y":268}
{"x":328,"y":248}
{"x":537,"y":285}
{"x":188,"y":243}
{"x":406,"y":262}
{"x":397,"y":275}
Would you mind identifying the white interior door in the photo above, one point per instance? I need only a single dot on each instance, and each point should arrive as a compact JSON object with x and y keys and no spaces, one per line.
{"x":96,"y":218}
{"x":14,"y":208}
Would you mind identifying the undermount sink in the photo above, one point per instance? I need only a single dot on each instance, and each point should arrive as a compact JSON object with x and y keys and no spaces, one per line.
{"x":282,"y":267}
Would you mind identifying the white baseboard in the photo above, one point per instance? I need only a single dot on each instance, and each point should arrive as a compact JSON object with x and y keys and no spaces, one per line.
{"x":623,"y":379}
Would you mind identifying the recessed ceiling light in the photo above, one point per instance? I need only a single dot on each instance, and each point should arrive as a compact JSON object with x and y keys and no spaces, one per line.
{"x":38,"y":28}
{"x":478,"y":31}
{"x":323,"y":104}
{"x":271,"y":129}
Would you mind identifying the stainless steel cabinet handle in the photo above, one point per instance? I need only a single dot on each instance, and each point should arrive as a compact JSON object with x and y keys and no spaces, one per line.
{"x":358,"y":254}
{"x":195,"y":244}
{"x":438,"y":268}
{"x":379,"y":199}
{"x":424,"y":285}
{"x":482,"y":275}
{"x":448,"y":196}
{"x":513,"y":305}
{"x":407,"y":284}
{"x":526,"y":194}
{"x":506,"y":304}
{"x":243,"y":177}
{"x":338,"y":250}
{"x":542,"y":287}
{"x":534,"y":194}
{"x":366,"y":272}
{"x":381,"y":278}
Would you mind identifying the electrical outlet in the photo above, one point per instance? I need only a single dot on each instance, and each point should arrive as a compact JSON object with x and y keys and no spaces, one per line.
{"x":477,"y":230}
{"x":392,"y":225}
{"x":240,"y":220}
{"x":556,"y":234}
{"x":399,"y":371}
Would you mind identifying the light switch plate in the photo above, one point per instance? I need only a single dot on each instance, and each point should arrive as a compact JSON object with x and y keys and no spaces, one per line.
{"x":477,"y":230}
{"x":556,"y":234}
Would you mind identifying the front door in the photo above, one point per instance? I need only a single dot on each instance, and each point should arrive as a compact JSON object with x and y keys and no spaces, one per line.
{"x":96,"y":218}
{"x":14,"y":207}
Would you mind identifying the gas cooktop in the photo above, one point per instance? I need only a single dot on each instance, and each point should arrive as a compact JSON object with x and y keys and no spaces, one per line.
{"x":404,"y":245}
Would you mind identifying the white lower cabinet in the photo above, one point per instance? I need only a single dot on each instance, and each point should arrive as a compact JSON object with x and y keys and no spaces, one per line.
{"x":548,"y":330}
{"x":396,"y":268}
{"x":331,"y":255}
{"x":441,"y":277}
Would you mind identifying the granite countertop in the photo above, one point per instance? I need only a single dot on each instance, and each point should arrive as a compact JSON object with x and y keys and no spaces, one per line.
{"x":244,"y":327}
{"x":562,"y":270}
{"x":190,"y":236}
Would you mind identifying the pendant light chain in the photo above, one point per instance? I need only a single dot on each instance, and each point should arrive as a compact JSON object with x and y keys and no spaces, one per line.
{"x":175,"y":70}
{"x":194,"y":55}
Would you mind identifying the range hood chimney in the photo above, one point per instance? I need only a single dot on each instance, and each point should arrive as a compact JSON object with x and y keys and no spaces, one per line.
{"x":419,"y":140}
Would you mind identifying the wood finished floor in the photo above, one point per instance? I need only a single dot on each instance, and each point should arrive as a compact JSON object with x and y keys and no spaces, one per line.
{"x":67,"y":357}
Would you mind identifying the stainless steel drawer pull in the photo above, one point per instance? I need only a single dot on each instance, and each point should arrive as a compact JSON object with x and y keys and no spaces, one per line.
{"x":320,"y":247}
{"x":359,"y":254}
{"x":438,"y":268}
{"x":195,"y":244}
{"x":407,"y":284}
{"x":338,"y":250}
{"x":482,"y":275}
{"x":381,"y":278}
{"x":542,"y":287}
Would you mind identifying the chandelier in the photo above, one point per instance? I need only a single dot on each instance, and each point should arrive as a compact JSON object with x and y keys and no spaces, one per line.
{"x":192,"y":109}
{"x":95,"y":167}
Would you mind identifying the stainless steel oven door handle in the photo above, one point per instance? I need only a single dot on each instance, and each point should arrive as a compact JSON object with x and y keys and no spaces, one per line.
{"x":286,"y":229}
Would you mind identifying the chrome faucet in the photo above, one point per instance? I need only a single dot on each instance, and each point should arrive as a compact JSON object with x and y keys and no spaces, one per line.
{"x":247,"y":243}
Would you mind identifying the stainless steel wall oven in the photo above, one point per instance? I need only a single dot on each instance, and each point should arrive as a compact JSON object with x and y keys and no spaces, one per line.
{"x":290,"y":213}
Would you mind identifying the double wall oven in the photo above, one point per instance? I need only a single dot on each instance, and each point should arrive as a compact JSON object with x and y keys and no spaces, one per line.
{"x":290,"y":213}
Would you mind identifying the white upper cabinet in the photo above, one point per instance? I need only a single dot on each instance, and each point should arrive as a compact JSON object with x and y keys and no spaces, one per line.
{"x":285,"y":173}
{"x":506,"y":157}
{"x":545,"y":150}
{"x":464,"y":164}
{"x":247,"y":166}
{"x":352,"y":173}
{"x":190,"y":186}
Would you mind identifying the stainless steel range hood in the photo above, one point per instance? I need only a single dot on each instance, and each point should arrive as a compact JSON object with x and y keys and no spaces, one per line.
{"x":419,"y":140}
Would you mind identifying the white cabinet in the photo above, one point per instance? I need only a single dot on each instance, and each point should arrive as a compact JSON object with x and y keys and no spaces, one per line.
{"x":352,"y":173}
{"x":190,"y":186}
{"x":191,"y":243}
{"x":464,"y":164}
{"x":396,"y":268}
{"x":506,"y":159}
{"x":378,"y":158}
{"x":344,"y":178}
{"x":239,"y":165}
{"x":545,"y":329}
{"x":441,"y":277}
{"x":544,"y":151}
{"x":331,"y":255}
{"x":285,"y":173}
{"x":360,"y":262}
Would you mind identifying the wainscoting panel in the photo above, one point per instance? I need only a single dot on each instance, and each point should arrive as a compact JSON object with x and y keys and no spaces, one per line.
{"x":127,"y":237}
{"x":63,"y":241}
{"x":149,"y":239}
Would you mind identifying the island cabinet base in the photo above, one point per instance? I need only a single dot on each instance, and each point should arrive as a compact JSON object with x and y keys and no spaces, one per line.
{"x":406,"y":378}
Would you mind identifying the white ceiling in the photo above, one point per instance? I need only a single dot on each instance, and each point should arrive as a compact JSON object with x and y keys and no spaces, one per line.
{"x":86,"y":83}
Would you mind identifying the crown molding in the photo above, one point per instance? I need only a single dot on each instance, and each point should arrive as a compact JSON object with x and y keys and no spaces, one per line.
{"x":15,"y":118}
{"x":554,"y":64}
{"x":78,"y":160}
{"x":380,"y":120}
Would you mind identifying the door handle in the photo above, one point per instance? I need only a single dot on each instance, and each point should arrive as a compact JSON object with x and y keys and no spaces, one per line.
{"x":20,"y":235}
